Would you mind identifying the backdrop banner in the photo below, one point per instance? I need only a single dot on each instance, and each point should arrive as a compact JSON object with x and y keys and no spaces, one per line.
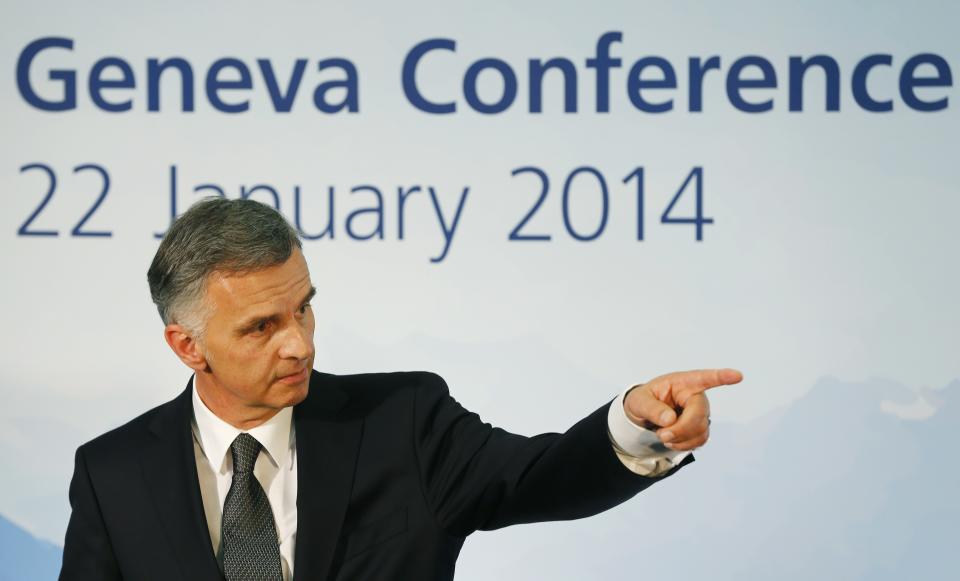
{"x":544,"y":202}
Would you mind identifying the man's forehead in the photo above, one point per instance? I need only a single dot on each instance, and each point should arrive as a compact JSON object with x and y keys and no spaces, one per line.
{"x":249,"y":289}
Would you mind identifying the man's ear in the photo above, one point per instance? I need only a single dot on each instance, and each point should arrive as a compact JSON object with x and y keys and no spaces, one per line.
{"x":185,"y":346}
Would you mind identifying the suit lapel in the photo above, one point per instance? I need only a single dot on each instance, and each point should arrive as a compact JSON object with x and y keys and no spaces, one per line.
{"x":327,"y":447}
{"x":170,"y":471}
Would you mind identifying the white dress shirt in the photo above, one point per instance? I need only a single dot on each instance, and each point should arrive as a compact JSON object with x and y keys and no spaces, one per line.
{"x":276,"y":469}
{"x":638,"y":448}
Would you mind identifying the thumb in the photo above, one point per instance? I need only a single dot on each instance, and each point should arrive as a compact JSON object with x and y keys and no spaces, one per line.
{"x":641,"y":406}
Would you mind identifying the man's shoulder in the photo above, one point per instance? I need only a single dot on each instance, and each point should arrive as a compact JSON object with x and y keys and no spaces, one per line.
{"x":129,"y":436}
{"x":365,"y":391}
{"x":380,"y":380}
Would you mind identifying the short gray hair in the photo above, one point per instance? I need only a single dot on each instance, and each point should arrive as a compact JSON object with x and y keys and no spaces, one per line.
{"x":215,"y":235}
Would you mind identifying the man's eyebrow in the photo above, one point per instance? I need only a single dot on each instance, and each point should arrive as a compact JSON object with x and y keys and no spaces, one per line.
{"x":255,"y":321}
{"x":312,"y":293}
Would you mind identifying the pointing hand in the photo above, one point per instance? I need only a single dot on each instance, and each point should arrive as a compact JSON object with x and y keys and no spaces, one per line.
{"x":657,"y":403}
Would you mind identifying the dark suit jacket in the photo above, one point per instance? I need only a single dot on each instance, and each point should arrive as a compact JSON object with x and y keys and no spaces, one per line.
{"x":393,"y":474}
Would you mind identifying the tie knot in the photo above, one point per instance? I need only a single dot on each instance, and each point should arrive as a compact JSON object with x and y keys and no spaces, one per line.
{"x":245,"y":449}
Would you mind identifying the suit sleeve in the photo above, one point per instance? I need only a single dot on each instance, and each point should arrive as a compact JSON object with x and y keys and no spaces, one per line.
{"x":478,"y":477}
{"x":87,"y":551}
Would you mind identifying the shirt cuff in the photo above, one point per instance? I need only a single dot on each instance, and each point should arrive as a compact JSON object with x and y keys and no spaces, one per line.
{"x":638,"y":448}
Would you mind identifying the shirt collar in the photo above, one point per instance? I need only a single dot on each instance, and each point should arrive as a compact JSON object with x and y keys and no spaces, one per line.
{"x":215,"y":435}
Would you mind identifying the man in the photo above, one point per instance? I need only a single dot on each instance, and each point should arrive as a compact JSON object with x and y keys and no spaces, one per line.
{"x":266,"y":469}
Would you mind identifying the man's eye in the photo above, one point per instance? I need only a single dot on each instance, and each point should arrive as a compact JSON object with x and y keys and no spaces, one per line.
{"x":304,"y":308}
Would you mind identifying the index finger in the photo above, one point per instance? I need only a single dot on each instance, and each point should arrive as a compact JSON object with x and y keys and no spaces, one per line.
{"x":699,"y":380}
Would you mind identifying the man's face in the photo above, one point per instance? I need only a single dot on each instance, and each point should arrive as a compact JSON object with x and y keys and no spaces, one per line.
{"x":258,"y":342}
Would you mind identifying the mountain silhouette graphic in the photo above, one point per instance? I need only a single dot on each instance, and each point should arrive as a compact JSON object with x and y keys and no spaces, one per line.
{"x":24,"y":557}
{"x":833,"y":486}
{"x":838,"y":485}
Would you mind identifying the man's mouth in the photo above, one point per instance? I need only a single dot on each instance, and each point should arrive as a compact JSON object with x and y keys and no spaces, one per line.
{"x":295,"y":377}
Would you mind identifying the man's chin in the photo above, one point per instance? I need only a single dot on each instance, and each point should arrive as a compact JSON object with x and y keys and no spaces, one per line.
{"x":294,"y":393}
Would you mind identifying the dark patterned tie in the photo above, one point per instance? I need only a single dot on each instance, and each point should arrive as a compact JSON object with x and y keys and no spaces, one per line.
{"x":248,"y":540}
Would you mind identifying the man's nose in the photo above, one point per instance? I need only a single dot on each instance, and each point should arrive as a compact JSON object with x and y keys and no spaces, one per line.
{"x":297,"y":343}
